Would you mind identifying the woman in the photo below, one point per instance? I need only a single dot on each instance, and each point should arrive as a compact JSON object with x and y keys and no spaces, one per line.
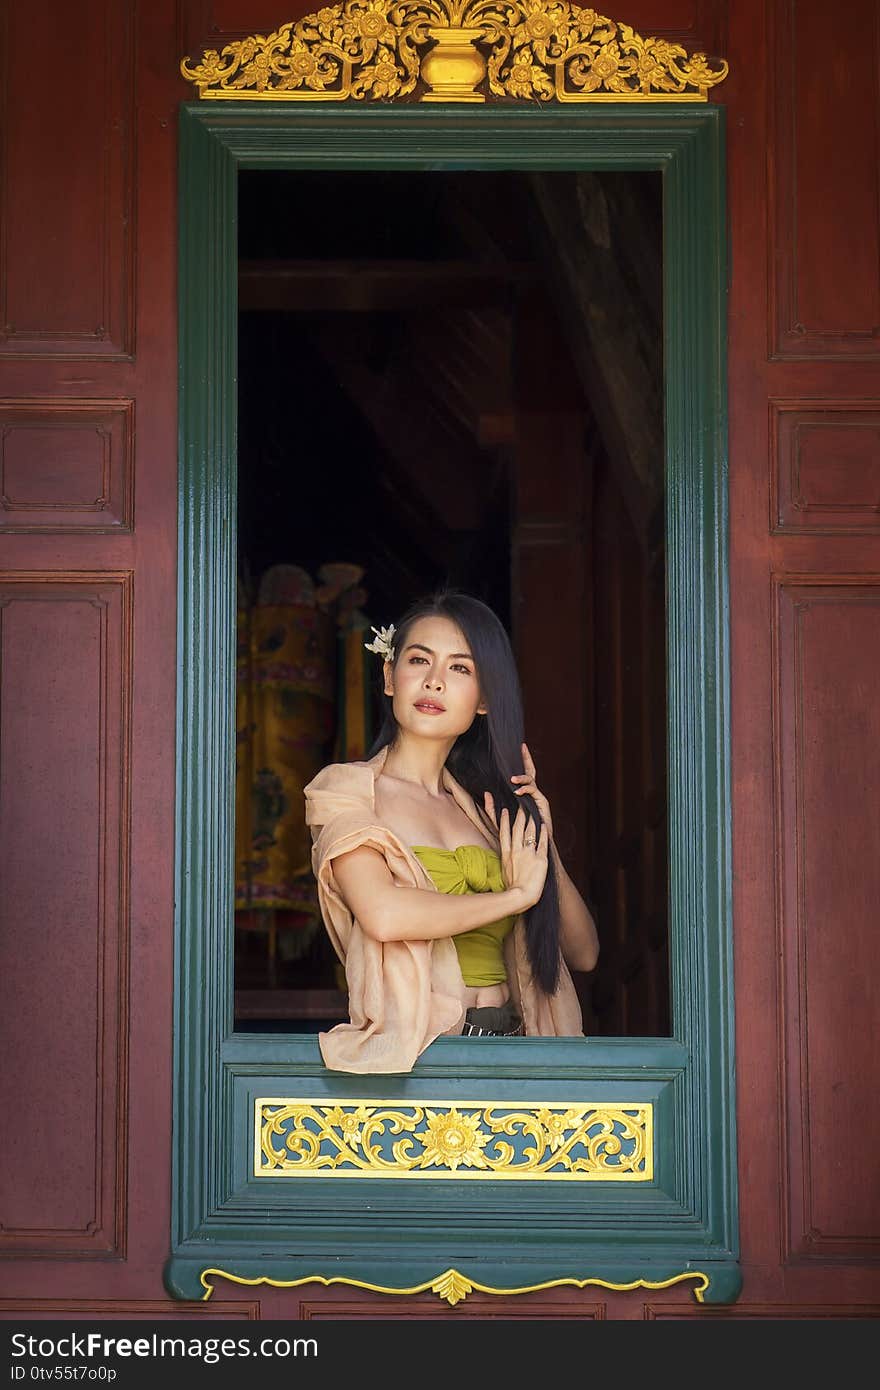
{"x":438,"y":879}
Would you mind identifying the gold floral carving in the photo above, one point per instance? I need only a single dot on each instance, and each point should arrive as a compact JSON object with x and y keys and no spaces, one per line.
{"x":454,"y":1287}
{"x":454,"y":50}
{"x":443,"y":1139}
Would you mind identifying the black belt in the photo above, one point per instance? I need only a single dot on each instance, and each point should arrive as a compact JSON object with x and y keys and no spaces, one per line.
{"x":492,"y":1022}
{"x":470,"y":1030}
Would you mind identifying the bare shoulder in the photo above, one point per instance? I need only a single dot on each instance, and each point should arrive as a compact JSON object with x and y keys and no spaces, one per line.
{"x":364,"y":867}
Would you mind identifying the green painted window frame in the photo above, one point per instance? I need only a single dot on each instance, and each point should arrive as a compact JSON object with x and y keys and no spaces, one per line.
{"x":382,"y":1232}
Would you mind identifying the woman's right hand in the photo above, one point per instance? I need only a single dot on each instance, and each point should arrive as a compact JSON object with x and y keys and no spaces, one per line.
{"x":523,"y":852}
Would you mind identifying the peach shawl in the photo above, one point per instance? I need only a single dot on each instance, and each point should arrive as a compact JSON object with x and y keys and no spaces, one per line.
{"x":404,"y":994}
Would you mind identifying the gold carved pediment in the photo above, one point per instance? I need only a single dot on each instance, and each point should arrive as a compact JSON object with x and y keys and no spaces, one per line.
{"x":454,"y":50}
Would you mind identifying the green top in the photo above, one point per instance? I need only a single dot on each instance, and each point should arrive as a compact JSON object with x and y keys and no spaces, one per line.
{"x":471,"y":869}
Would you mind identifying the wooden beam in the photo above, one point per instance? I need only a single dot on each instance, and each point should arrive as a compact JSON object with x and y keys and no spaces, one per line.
{"x":370,"y":286}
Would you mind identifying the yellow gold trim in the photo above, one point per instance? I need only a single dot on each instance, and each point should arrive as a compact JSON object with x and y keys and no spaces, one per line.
{"x":455,"y":1287}
{"x":547,"y":1140}
{"x":453,"y":50}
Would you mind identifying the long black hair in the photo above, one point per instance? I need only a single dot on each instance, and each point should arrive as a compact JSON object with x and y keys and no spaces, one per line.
{"x":489,"y":753}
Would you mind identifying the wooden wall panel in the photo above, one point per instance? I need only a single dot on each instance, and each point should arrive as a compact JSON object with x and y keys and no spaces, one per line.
{"x":828,"y":751}
{"x":825,"y":467}
{"x":801,"y":138}
{"x":824,"y":168}
{"x":66,"y":465}
{"x":404,"y":1308}
{"x":87,"y":829}
{"x":66,"y":205}
{"x":100,"y":1310}
{"x":761,"y":1312}
{"x":697,"y":24}
{"x":213,"y":23}
{"x":65,"y":671}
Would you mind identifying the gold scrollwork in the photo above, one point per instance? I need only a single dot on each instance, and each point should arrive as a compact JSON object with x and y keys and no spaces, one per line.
{"x":446,"y":50}
{"x":454,"y":1287}
{"x":442,"y":1139}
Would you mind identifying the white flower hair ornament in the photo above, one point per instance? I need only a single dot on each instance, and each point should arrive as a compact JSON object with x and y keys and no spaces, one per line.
{"x":382,"y":644}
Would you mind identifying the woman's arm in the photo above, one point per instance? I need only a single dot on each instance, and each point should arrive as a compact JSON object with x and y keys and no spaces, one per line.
{"x":578,"y":938}
{"x":392,"y":912}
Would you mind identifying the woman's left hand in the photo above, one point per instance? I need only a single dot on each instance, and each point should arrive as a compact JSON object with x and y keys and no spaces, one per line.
{"x":528,"y":786}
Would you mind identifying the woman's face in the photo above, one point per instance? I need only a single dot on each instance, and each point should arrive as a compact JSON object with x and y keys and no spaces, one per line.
{"x":434,"y":684}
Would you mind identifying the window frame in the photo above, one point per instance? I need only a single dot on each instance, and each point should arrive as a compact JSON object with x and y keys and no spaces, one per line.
{"x":384,"y":1233}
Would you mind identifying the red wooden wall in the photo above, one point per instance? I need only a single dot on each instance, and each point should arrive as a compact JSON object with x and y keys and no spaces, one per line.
{"x":87,"y":645}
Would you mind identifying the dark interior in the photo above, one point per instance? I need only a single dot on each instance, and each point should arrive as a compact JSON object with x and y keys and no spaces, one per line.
{"x":456,"y":377}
